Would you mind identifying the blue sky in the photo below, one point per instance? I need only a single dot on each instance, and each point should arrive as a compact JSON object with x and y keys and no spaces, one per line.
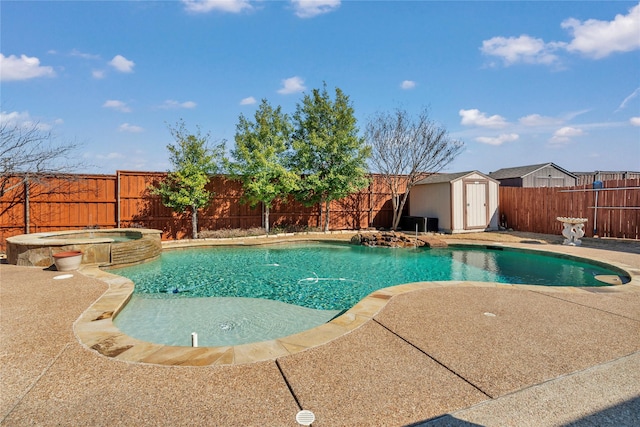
{"x":518,"y":82}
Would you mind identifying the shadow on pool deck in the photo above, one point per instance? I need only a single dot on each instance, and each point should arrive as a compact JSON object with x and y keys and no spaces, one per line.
{"x":548,"y":357}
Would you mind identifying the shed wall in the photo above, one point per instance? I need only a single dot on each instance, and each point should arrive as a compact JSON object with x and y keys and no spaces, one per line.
{"x":432,"y":201}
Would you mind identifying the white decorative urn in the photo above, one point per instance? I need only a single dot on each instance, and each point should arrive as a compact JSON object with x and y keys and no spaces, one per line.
{"x":67,"y":261}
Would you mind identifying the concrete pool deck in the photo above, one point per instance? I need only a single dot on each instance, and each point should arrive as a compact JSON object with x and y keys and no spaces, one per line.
{"x":433,"y":356}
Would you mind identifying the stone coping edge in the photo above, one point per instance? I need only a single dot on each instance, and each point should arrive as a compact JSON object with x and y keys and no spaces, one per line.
{"x":95,"y":329}
{"x":65,"y":237}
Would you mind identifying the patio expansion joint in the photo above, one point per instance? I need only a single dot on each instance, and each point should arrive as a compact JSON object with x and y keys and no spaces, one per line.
{"x":584,"y":305}
{"x":286,"y":381}
{"x":33,"y":384}
{"x":541,"y":385}
{"x":434,"y":359}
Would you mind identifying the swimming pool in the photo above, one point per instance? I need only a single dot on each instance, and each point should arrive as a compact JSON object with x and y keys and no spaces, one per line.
{"x":336,"y":276}
{"x":322,"y":279}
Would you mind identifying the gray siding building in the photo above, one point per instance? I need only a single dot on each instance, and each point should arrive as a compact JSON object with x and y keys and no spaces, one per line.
{"x":542,"y":175}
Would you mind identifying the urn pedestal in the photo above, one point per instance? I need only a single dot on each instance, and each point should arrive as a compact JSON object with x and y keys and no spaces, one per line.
{"x":573,"y":230}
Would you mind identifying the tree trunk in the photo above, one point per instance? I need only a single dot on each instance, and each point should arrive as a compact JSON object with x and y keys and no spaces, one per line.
{"x":396,"y":212}
{"x":326,"y":215}
{"x":397,"y":215}
{"x":194,"y":222}
{"x":266,"y":218}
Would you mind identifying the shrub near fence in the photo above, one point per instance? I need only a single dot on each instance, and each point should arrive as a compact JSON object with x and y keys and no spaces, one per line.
{"x":536,"y":209}
{"x":123,"y":200}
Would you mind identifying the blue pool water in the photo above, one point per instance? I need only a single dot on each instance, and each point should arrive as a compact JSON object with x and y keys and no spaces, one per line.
{"x":291,"y":288}
{"x":337,"y":276}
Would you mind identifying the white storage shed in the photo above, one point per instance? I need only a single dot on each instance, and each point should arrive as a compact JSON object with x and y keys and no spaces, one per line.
{"x":462,"y":202}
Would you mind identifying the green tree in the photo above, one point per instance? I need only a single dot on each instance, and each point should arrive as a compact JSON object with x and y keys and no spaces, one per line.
{"x":184,"y":189}
{"x":259,"y":158}
{"x":328,"y":153}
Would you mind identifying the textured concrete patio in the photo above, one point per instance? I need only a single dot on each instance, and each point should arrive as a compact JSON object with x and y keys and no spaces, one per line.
{"x":439,"y":354}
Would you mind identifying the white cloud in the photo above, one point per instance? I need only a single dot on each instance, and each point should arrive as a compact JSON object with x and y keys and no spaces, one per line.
{"x":498,"y":140}
{"x":170,"y":104}
{"x":311,"y":8}
{"x":598,"y":39}
{"x":536,"y":120}
{"x":248,"y":101}
{"x":408,"y":84}
{"x":117,"y":105}
{"x":593,"y":38}
{"x":635,"y":121}
{"x":564,"y":135}
{"x":13,"y":118}
{"x":205,"y":6}
{"x":110,"y":156}
{"x":24,"y":120}
{"x":292,"y":85}
{"x":126,"y":127}
{"x":23,"y":68}
{"x":525,"y":49}
{"x":76,"y":52}
{"x":98,"y":74}
{"x":628,"y":99}
{"x":573,"y":114}
{"x":122,"y":64}
{"x":474,"y":117}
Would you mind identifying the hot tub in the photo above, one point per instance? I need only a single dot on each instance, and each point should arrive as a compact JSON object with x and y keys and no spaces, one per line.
{"x":109,"y":247}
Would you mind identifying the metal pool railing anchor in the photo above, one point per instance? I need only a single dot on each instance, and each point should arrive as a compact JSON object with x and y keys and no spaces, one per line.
{"x":194,"y":339}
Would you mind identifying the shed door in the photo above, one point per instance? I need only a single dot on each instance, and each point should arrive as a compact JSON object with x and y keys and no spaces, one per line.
{"x":475,"y":195}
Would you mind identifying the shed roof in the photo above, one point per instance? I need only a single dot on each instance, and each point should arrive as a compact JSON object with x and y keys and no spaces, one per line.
{"x":522,"y":171}
{"x":447,"y":177}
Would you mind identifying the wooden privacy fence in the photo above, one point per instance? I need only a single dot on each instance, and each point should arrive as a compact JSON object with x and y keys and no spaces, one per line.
{"x":536,"y":209}
{"x":75,"y":202}
{"x":67,"y":202}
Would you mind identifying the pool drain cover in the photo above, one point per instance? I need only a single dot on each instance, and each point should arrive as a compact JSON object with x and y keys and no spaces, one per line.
{"x":305,"y":417}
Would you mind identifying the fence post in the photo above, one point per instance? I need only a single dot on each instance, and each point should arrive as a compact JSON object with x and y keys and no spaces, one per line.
{"x":27,"y":218}
{"x":370,"y":210}
{"x":117,"y":199}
